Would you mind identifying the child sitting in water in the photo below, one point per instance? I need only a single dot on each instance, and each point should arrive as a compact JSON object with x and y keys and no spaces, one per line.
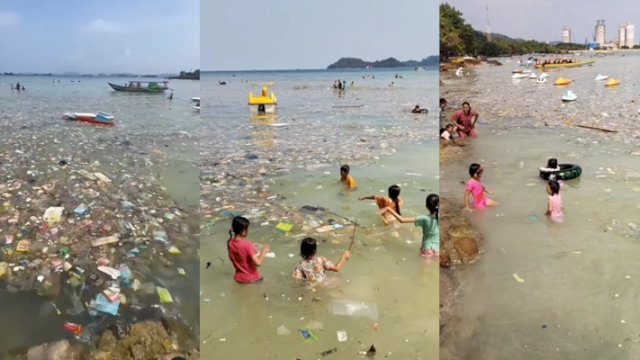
{"x":242,"y":253}
{"x":477,"y":190}
{"x":393,"y":202}
{"x":447,"y":133}
{"x":312,"y":267}
{"x":429,"y":223}
{"x":552,"y":165}
{"x":346,"y":179}
{"x":554,"y":201}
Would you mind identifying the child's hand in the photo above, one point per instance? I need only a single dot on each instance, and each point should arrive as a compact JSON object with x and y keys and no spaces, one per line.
{"x":548,"y":213}
{"x":266,"y":249}
{"x":361,"y":198}
{"x":346,"y":254}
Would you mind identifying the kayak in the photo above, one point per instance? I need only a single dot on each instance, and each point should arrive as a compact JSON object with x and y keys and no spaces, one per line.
{"x":601,"y":77}
{"x":562,"y":81}
{"x":612,"y":82}
{"x":99,"y":118}
{"x":573,"y":64}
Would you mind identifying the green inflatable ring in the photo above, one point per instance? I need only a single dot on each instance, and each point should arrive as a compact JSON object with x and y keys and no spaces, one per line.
{"x":566,"y":172}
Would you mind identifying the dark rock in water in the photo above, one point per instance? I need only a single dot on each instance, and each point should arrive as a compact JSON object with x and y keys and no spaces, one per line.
{"x":251,"y":157}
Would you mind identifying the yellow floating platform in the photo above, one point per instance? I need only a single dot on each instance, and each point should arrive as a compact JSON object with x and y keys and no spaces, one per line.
{"x":263,"y":99}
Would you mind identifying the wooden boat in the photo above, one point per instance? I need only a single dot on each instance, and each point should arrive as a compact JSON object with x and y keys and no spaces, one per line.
{"x":99,"y":118}
{"x":612,"y":82}
{"x":153,"y":87}
{"x":565,"y":65}
{"x":263,"y":103}
{"x":562,"y":81}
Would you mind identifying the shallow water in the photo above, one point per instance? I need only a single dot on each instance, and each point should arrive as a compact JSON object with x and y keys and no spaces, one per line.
{"x":384,"y":271}
{"x":579,"y":295}
{"x":151,"y":157}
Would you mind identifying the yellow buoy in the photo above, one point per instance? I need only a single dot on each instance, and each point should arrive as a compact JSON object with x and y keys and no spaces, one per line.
{"x":612,"y":82}
{"x":562,"y":81}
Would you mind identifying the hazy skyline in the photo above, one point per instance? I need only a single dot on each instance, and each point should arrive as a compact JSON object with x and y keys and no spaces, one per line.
{"x":144,"y":36}
{"x":543,"y":19}
{"x":293,"y":34}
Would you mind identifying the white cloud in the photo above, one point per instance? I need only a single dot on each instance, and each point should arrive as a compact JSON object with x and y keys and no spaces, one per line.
{"x":104,"y":27}
{"x":8,"y":18}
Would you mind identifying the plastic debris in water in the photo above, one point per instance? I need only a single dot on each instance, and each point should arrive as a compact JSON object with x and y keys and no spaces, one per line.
{"x":284,"y":227}
{"x":307,"y":335}
{"x":518,"y":278}
{"x":342,"y":335}
{"x":330,"y":351}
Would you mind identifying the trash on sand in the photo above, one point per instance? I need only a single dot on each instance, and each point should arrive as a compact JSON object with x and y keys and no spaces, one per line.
{"x":330,"y":351}
{"x":164,"y":295}
{"x":53,"y":215}
{"x":307,"y":335}
{"x":284,"y":227}
{"x":23,"y":246}
{"x":354,"y":308}
{"x":342,"y":335}
{"x":75,"y":329}
{"x":518,"y":278}
{"x":102,"y":304}
{"x":105,"y":240}
{"x":114,"y":273}
{"x":283,"y":330}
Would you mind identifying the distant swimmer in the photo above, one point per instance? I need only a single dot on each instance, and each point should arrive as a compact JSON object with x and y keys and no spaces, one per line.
{"x":418,"y":110}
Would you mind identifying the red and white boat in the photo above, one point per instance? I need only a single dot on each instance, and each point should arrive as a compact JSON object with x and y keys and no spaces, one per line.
{"x":100,"y":118}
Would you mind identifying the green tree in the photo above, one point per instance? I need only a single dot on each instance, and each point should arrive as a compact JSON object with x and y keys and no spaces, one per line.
{"x":456,"y":36}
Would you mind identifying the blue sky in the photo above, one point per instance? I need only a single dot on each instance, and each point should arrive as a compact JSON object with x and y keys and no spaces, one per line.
{"x":303,"y":34}
{"x":543,"y":19}
{"x":141,"y":36}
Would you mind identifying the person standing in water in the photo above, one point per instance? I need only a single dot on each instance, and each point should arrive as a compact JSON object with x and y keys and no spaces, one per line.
{"x":347,"y":179}
{"x":393,"y":202}
{"x":476,"y":190}
{"x":242,"y":252}
{"x":554,"y":202}
{"x":429,"y":223}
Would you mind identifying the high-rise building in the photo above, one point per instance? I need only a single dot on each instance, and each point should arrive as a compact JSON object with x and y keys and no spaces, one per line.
{"x":566,"y":35}
{"x":599,"y":32}
{"x":622,"y":38}
{"x":630,"y":39}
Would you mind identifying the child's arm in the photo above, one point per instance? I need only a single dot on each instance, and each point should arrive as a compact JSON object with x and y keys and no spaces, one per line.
{"x":548,"y":206}
{"x":371,"y":197}
{"x":400,"y":218}
{"x":345,"y":256}
{"x":466,"y":199}
{"x":259,"y":258}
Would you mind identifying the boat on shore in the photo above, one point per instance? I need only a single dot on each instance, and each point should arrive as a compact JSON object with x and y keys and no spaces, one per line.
{"x":99,"y":118}
{"x":569,"y":96}
{"x":263,"y":104}
{"x":565,"y":65}
{"x":153,"y":87}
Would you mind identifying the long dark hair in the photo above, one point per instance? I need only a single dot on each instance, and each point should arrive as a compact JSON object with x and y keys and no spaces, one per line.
{"x":433,"y":204}
{"x":238,"y":225}
{"x":308,"y":248}
{"x":554,"y":185}
{"x":394,"y":193}
{"x":475,"y":169}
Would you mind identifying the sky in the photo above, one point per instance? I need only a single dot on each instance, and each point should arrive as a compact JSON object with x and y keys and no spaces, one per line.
{"x":304,"y":34}
{"x":543,"y":20}
{"x":141,"y":36}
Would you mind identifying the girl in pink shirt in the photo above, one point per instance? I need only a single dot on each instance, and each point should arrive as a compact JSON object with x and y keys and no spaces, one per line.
{"x":554,"y":201}
{"x":477,"y":190}
{"x":242,"y":252}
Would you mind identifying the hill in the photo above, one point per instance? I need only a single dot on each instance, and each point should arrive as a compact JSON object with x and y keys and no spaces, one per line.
{"x":356,"y":63}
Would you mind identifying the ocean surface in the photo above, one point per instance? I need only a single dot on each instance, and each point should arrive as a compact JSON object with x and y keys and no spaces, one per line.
{"x":268,"y":167}
{"x":544,"y":290}
{"x":151,"y":158}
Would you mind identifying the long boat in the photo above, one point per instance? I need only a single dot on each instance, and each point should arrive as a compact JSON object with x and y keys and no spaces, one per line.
{"x":564,"y":65}
{"x":142,"y":86}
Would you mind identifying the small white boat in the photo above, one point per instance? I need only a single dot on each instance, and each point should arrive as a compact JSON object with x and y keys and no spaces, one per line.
{"x":459,"y":72}
{"x":541,"y":80}
{"x":533,"y":76}
{"x":195,"y":98}
{"x":519,"y":76}
{"x":100,"y":118}
{"x":569,"y":96}
{"x":601,"y":77}
{"x":544,"y":75}
{"x":527,"y":71}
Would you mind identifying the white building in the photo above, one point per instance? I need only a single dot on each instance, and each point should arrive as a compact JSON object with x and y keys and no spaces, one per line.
{"x":622,"y":38}
{"x":566,"y":35}
{"x":629,"y":36}
{"x":599,"y":32}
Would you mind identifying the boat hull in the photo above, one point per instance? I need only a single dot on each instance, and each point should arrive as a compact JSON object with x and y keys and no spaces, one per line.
{"x":144,"y":90}
{"x":565,"y":65}
{"x":96,"y":119}
{"x":262,"y":109}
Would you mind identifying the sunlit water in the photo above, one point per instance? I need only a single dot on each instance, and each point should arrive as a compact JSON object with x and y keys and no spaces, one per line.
{"x":369,"y":127}
{"x":153,"y":142}
{"x":579,"y":295}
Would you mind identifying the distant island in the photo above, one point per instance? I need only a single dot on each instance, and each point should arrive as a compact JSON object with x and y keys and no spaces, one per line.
{"x":355,"y":63}
{"x":187,"y":75}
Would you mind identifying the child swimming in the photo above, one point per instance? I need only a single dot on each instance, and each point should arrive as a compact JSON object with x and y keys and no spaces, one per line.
{"x":393,"y":202}
{"x":312,"y":267}
{"x":345,"y":178}
{"x":242,"y":252}
{"x":477,"y":190}
{"x":552,"y":165}
{"x":429,"y":223}
{"x":554,"y":201}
